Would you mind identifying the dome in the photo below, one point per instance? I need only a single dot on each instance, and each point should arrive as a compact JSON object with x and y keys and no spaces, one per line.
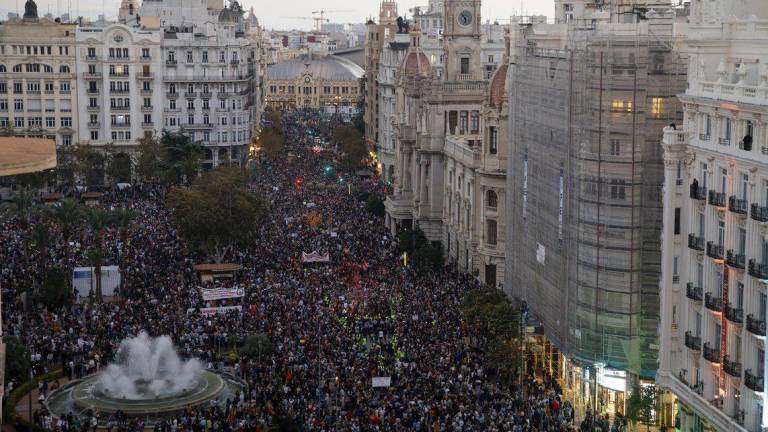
{"x":329,"y":68}
{"x":415,"y":63}
{"x":498,"y":86}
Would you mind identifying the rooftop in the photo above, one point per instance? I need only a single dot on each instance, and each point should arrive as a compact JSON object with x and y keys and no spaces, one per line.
{"x":330,"y":68}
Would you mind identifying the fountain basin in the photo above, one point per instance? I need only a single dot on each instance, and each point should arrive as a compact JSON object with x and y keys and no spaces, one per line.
{"x":81,"y":396}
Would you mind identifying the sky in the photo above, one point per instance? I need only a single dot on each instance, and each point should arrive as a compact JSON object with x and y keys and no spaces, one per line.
{"x":273,"y":14}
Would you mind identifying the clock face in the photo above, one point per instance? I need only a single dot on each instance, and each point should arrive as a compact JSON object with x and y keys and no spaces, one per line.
{"x":465,"y":18}
{"x":306,"y":80}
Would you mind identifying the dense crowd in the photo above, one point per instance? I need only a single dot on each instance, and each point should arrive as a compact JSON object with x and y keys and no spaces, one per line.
{"x":334,"y":326}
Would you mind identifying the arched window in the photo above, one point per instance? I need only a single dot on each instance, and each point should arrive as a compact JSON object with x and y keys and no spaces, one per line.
{"x":2,"y":68}
{"x":17,"y":68}
{"x":490,"y":225}
{"x":64,"y":69}
{"x":47,"y":69}
{"x":491,"y":199}
{"x":208,"y":154}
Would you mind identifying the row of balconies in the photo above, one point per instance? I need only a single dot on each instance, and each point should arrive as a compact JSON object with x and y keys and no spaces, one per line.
{"x":735,"y":204}
{"x":732,"y":258}
{"x":732,"y":313}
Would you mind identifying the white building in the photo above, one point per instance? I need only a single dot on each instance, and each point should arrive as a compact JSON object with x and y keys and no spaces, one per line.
{"x":37,"y":78}
{"x":210,"y":74}
{"x":119,"y":72}
{"x":715,"y":252}
{"x":391,"y":57}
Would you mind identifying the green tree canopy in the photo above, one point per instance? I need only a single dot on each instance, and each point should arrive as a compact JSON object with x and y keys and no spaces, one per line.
{"x":218,"y":212}
{"x":17,"y":360}
{"x":498,"y":320}
{"x":375,"y":205}
{"x":54,"y":292}
{"x":148,"y":166}
{"x":257,"y":345}
{"x":352,"y":146}
{"x":180,"y":157}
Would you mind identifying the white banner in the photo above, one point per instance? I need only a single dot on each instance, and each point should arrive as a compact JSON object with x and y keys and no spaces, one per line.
{"x":314,"y":257}
{"x":83,"y":280}
{"x":222,"y":293}
{"x":381,"y":382}
{"x":209,"y":311}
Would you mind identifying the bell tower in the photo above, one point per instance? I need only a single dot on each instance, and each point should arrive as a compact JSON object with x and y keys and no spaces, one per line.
{"x":462,"y":36}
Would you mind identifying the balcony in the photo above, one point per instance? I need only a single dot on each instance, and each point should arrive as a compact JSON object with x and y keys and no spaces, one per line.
{"x":92,"y":91}
{"x":753,"y":382}
{"x":711,"y":354}
{"x":91,"y":58}
{"x":734,"y":260}
{"x":732,"y":368}
{"x":120,"y":108}
{"x":205,"y":95}
{"x":172,"y":95}
{"x":146,"y":92}
{"x":92,"y":75}
{"x":145,"y":58}
{"x":715,"y":251}
{"x":713,"y":303}
{"x":695,"y":242}
{"x":734,"y":315}
{"x":759,"y":213}
{"x":758,"y":270}
{"x":94,"y":125}
{"x":692,"y":342}
{"x":145,"y":75}
{"x":190,"y":95}
{"x":698,"y":192}
{"x":724,"y":141}
{"x":146,"y":108}
{"x":118,"y":74}
{"x":119,"y":91}
{"x":755,"y":326}
{"x":234,"y":62}
{"x":147,"y":124}
{"x":118,"y":59}
{"x":171,"y":62}
{"x":716,"y":198}
{"x":704,"y":137}
{"x":92,"y":108}
{"x":693,"y":292}
{"x":737,"y":205}
{"x":118,"y":125}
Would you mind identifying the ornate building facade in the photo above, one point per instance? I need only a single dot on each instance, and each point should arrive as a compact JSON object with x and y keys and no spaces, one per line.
{"x":449,"y":171}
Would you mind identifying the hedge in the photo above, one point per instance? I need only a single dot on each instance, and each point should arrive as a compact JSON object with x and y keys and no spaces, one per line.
{"x":9,"y":407}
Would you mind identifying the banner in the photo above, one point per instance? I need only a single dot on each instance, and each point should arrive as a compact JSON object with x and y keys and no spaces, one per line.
{"x":381,"y":382}
{"x":209,"y":311}
{"x":222,"y":293}
{"x":314,"y":257}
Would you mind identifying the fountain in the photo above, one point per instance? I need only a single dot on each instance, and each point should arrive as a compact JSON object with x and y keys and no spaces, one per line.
{"x":147,"y":379}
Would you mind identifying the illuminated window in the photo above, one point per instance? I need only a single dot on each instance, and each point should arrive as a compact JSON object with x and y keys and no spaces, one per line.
{"x":620,"y":105}
{"x":657,"y":106}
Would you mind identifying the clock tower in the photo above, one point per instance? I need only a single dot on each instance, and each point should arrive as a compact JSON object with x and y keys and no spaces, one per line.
{"x":462,"y":40}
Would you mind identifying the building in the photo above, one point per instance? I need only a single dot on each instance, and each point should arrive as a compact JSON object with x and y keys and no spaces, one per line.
{"x":389,"y":63}
{"x":449,"y":158}
{"x":119,"y":77}
{"x":326,"y":82}
{"x":38,"y":84}
{"x":378,"y":36}
{"x":714,"y":248}
{"x":588,"y":100}
{"x":210,"y":75}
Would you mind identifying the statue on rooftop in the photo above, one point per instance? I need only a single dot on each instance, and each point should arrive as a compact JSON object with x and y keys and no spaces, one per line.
{"x":402,"y":25}
{"x":30,"y":10}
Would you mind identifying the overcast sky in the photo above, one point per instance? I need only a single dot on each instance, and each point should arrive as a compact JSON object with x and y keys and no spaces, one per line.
{"x":272,"y":13}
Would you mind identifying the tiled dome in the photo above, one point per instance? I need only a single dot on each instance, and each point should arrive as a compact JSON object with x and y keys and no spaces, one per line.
{"x":498,"y":86}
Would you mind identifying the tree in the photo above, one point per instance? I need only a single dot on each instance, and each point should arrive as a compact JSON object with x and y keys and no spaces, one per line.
{"x":180,"y":157}
{"x":428,"y":258}
{"x":641,"y":405}
{"x":149,"y":167}
{"x":122,"y":219}
{"x":17,"y":360}
{"x":257,"y":345}
{"x":119,"y":168}
{"x":496,"y":318}
{"x":41,"y":238}
{"x":23,"y":202}
{"x":352,"y":145}
{"x":410,"y":240}
{"x":271,"y":143}
{"x":99,"y":220}
{"x":375,"y":206}
{"x":218,"y":212}
{"x":55,"y":292}
{"x":89,"y":165}
{"x":67,"y":215}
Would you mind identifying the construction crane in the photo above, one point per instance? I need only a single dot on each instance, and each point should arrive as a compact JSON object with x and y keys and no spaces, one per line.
{"x":313,"y":18}
{"x":319,"y":20}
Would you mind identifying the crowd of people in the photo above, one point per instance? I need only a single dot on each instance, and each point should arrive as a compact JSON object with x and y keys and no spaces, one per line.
{"x":334,"y":326}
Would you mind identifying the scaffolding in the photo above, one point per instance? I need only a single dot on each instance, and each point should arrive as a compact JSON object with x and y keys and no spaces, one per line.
{"x":585,"y":181}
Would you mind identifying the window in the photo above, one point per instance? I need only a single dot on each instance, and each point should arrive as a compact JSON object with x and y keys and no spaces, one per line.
{"x":3,"y":104}
{"x":464,"y":66}
{"x":64,"y":69}
{"x":205,"y":56}
{"x":92,"y":102}
{"x":190,"y":104}
{"x":618,"y":190}
{"x":657,"y":107}
{"x":145,"y":53}
{"x":491,"y":231}
{"x":206,"y":104}
{"x":491,"y":199}
{"x":94,"y":135}
{"x":490,"y":58}
{"x":18,"y":88}
{"x":189,"y":56}
{"x":463,"y":122}
{"x":615,"y":147}
{"x":18,"y":104}
{"x":50,"y":122}
{"x":66,"y":122}
{"x":494,"y":138}
{"x":172,"y":104}
{"x":36,"y":122}
{"x":64,"y":87}
{"x":191,"y":119}
{"x":66,"y":140}
{"x":677,"y":221}
{"x":620,"y":105}
{"x":147,"y":118}
{"x":18,"y":122}
{"x":474,"y":122}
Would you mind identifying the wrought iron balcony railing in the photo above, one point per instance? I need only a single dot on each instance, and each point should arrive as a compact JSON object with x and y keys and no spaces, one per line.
{"x":735,"y":260}
{"x":757,"y":269}
{"x":755,"y":325}
{"x":698,"y":193}
{"x":711,"y":354}
{"x":732,"y":368}
{"x":713,"y":303}
{"x":734,"y":314}
{"x":737,"y":205}
{"x":692,"y":342}
{"x":759,"y":213}
{"x":714,"y":250}
{"x":695,"y":242}
{"x":753,"y":382}
{"x":716,"y":198}
{"x":693,"y":292}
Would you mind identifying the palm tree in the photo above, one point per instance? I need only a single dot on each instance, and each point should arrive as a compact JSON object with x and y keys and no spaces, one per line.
{"x":23,"y":201}
{"x":122,"y":218}
{"x":99,"y":220}
{"x":180,"y":156}
{"x":68,"y":214}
